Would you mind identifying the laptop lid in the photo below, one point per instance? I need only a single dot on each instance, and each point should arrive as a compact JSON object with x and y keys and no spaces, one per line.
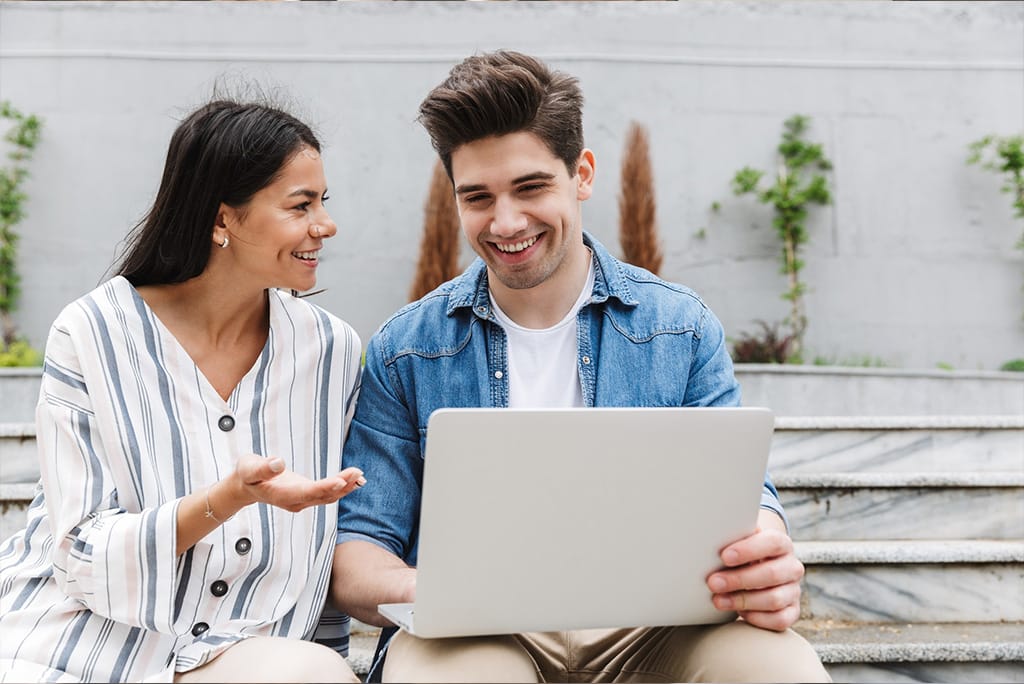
{"x":553,"y":519}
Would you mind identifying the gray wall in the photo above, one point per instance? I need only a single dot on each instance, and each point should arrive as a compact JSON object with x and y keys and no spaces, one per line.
{"x":914,"y":264}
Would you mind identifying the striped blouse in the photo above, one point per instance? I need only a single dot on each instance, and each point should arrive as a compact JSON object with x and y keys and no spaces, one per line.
{"x":92,"y":589}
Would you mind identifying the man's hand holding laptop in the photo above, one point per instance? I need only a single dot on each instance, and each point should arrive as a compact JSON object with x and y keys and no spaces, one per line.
{"x":761,"y":581}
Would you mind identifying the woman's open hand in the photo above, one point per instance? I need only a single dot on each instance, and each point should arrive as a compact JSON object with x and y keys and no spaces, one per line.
{"x":266,"y":480}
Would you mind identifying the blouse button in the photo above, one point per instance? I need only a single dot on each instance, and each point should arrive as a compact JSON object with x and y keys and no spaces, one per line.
{"x":499,"y":374}
{"x":226,"y":423}
{"x":243,"y":545}
{"x":199,"y":628}
{"x":219,"y":588}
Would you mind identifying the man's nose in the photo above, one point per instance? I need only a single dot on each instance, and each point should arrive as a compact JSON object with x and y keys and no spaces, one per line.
{"x":509,"y":218}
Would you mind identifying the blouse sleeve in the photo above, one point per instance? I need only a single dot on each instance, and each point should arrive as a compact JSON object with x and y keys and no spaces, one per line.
{"x":120,"y":565}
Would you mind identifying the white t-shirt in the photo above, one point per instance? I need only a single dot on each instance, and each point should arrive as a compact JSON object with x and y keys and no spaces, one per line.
{"x":542,"y":370}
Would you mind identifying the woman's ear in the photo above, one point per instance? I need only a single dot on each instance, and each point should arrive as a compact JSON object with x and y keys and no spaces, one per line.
{"x":225,"y":215}
{"x":585,"y":175}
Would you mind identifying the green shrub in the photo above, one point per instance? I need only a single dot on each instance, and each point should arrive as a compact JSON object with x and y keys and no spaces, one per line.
{"x":19,"y":353}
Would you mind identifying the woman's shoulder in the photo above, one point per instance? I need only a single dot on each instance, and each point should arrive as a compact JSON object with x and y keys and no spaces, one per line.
{"x":99,"y":303}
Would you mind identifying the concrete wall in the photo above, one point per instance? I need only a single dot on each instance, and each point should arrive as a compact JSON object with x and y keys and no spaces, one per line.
{"x":914,"y":264}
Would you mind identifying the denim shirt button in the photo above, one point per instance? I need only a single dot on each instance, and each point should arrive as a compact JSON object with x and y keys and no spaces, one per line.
{"x":586,"y":360}
{"x":499,"y":374}
{"x":482,"y":310}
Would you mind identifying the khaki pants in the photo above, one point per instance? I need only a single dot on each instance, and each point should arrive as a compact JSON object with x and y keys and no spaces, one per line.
{"x":733,"y":652}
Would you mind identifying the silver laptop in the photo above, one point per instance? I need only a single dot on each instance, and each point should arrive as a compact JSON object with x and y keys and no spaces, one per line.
{"x":557,"y":519}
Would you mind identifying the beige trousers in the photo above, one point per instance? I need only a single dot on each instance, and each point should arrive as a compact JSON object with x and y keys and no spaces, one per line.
{"x":733,"y":652}
{"x":273,"y":659}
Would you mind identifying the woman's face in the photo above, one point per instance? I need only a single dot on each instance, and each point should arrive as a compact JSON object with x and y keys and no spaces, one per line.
{"x":276,"y":238}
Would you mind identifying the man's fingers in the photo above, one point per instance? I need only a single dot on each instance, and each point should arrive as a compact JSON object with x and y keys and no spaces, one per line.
{"x":765,"y":600}
{"x":777,"y":621}
{"x":758,"y":546}
{"x":769,"y":573}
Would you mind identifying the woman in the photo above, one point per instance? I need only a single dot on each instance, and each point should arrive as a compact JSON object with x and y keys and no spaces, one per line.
{"x":190,"y":425}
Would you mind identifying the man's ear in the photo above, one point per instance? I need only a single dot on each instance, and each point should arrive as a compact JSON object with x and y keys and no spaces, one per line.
{"x":585,"y":175}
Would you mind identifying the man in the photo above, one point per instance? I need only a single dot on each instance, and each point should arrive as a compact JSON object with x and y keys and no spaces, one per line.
{"x":545,"y":317}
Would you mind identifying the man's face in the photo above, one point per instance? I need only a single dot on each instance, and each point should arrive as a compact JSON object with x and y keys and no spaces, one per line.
{"x":519,"y":207}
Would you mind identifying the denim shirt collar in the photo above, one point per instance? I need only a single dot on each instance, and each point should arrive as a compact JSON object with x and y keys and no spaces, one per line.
{"x":470,"y":289}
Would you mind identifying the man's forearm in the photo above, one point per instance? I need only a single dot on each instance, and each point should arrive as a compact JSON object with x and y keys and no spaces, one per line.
{"x":770,"y":520}
{"x":364,"y":575}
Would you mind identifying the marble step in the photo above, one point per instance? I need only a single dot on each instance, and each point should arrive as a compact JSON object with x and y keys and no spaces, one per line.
{"x":800,"y":445}
{"x":907,"y":444}
{"x":913,"y":581}
{"x":887,"y":506}
{"x":916,"y":652}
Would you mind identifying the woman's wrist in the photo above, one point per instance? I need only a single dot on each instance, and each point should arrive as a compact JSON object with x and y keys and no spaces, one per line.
{"x":224,"y":498}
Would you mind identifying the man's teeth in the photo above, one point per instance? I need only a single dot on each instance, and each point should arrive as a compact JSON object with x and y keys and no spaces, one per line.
{"x":307,"y":255}
{"x":517,"y":247}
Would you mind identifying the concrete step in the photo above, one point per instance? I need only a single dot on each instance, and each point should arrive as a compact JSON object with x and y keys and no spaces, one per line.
{"x":887,"y":506}
{"x":18,"y":459}
{"x":19,"y":391}
{"x":897,"y":444}
{"x":913,"y":581}
{"x":938,"y":652}
{"x":787,"y":390}
{"x":361,"y":647}
{"x":842,"y":391}
{"x":14,"y":501}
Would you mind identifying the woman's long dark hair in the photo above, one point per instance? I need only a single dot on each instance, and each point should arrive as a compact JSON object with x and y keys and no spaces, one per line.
{"x":225,"y":151}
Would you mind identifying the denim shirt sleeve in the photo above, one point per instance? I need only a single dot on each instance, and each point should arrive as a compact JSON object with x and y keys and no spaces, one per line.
{"x":712,"y":382}
{"x":384,"y":442}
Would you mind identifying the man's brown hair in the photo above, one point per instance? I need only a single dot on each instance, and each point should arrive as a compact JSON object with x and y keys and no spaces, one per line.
{"x":500,"y":93}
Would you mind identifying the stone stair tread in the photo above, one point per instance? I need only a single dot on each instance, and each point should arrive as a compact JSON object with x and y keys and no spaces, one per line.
{"x":908,"y":422}
{"x":13,"y":430}
{"x":853,"y":642}
{"x":893,"y":422}
{"x":17,"y":491}
{"x":910,"y":551}
{"x":361,"y":647}
{"x":966,"y":478}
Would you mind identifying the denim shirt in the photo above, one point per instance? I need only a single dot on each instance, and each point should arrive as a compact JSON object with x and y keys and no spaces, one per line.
{"x":641,"y":342}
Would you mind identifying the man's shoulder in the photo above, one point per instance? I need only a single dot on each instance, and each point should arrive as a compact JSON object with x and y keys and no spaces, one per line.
{"x":430,"y":322}
{"x":653,"y":295}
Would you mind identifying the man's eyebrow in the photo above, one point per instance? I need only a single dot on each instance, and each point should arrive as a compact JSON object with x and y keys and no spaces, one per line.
{"x":535,"y":176}
{"x":463,"y":189}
